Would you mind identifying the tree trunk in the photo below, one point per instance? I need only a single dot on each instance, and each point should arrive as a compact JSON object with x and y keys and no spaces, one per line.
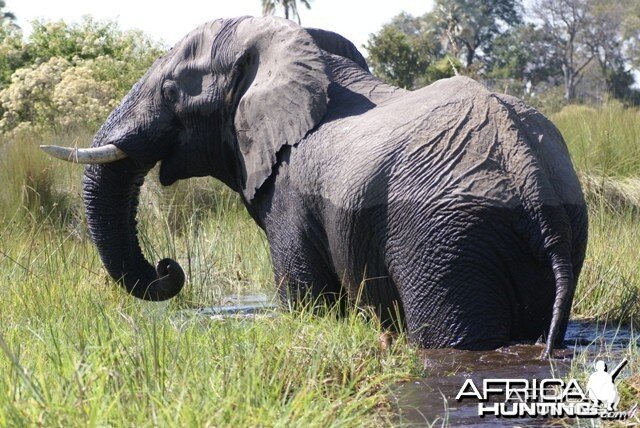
{"x":569,"y":84}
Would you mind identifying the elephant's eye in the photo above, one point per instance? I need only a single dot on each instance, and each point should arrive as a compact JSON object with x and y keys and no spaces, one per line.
{"x":170,"y":92}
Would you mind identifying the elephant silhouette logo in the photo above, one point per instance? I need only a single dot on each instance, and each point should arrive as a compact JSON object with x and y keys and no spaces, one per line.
{"x":601,"y":387}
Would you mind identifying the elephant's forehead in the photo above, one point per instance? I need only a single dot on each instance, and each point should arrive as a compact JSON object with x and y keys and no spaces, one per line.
{"x":194,"y":50}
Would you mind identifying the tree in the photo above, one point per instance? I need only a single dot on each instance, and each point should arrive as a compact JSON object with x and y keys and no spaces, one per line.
{"x":4,"y":15}
{"x":394,"y":59}
{"x":584,"y":31}
{"x":468,"y":27}
{"x":566,"y":21}
{"x":524,"y":57}
{"x":407,"y":53}
{"x":606,"y":38}
{"x":631,"y":34}
{"x":289,"y":7}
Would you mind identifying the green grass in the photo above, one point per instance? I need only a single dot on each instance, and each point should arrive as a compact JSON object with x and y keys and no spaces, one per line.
{"x":75,"y":350}
{"x":603,"y":141}
{"x":605,"y":147}
{"x":91,"y":356}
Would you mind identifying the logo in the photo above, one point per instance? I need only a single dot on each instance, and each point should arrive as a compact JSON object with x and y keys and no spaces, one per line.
{"x":517,"y":398}
{"x":601,"y":388}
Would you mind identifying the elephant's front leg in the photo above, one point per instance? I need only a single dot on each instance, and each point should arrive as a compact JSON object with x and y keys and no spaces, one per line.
{"x":302,"y":273}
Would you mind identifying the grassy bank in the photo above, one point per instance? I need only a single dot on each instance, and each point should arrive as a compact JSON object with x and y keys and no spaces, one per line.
{"x":76,"y":350}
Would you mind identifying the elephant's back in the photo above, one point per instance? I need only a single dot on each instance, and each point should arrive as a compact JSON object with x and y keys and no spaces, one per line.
{"x":453,"y":142}
{"x":421,"y":140}
{"x":468,"y":143}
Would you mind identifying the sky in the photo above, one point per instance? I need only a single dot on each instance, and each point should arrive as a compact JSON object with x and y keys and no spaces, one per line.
{"x":354,"y":19}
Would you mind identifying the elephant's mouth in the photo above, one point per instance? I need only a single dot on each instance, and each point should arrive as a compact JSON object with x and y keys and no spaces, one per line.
{"x":176,"y":166}
{"x":170,"y":172}
{"x":185,"y":160}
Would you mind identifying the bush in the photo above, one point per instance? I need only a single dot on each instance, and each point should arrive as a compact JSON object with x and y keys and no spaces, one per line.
{"x":13,"y":54}
{"x":66,"y":75}
{"x":81,"y":99}
{"x":117,"y":56}
{"x":28,"y":100}
{"x":89,"y":39}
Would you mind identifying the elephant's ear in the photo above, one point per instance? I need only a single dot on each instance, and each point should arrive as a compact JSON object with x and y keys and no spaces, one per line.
{"x":282,"y":80}
{"x":338,"y":45}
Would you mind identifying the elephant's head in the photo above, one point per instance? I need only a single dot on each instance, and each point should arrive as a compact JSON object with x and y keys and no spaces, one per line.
{"x":222,"y":102}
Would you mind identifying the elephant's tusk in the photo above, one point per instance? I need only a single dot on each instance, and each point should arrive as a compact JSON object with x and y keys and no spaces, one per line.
{"x":104,"y":154}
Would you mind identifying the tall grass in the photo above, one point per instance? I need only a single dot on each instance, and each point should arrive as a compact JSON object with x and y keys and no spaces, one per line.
{"x":76,"y":351}
{"x":605,"y":147}
{"x":603,"y":141}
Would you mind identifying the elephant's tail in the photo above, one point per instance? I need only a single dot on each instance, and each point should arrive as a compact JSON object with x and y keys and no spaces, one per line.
{"x":550,"y":237}
{"x":565,"y":287}
{"x":552,"y":240}
{"x":549,"y":192}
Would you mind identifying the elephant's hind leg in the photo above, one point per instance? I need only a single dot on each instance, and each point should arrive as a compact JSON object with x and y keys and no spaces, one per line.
{"x":455,"y":283}
{"x":463,"y":310}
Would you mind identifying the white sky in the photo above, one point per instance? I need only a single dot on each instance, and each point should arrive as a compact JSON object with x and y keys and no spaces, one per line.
{"x":170,"y":21}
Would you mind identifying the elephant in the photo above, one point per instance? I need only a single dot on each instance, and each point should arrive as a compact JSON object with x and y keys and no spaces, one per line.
{"x":452,"y":211}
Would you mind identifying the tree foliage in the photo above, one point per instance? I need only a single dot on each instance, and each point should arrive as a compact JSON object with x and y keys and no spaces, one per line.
{"x":407,"y":54}
{"x":66,"y":75}
{"x":525,"y":51}
{"x":87,"y":39}
{"x":4,"y":14}
{"x":631,"y":34}
{"x":467,"y":28}
{"x":566,"y":21}
{"x":13,"y":54}
{"x":538,"y":63}
{"x":584,"y":32}
{"x":607,"y":38}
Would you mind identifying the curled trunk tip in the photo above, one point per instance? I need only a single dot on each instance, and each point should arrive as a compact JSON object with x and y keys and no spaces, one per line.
{"x":169,"y":281}
{"x":111,"y":194}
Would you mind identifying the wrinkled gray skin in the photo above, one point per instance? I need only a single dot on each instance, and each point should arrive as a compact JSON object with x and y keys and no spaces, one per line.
{"x":457,"y":209}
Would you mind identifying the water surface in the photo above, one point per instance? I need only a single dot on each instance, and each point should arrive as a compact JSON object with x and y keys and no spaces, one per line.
{"x":432,"y":398}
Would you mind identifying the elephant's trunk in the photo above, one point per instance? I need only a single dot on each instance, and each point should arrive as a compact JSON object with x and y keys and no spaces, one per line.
{"x":111,"y":194}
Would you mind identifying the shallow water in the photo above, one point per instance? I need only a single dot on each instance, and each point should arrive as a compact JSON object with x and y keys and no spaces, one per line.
{"x":431,"y":400}
{"x":240,"y":306}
